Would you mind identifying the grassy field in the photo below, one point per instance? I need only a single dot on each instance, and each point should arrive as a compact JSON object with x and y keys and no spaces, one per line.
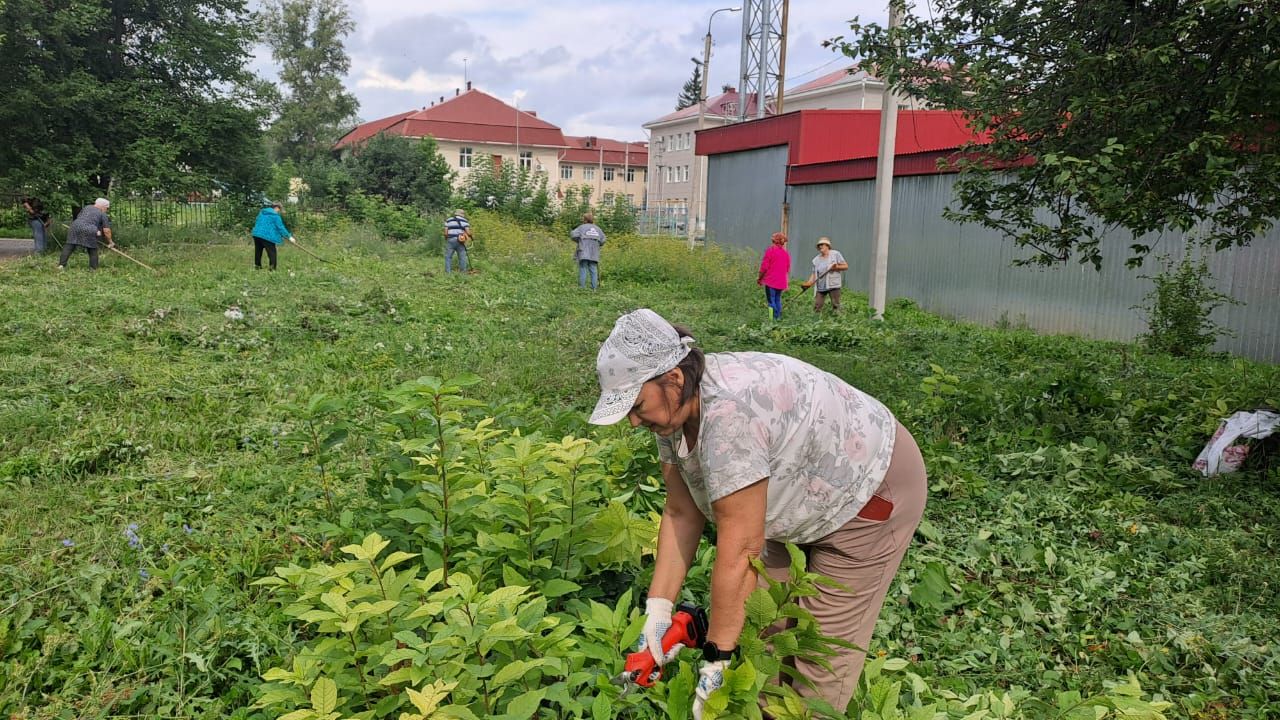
{"x":158,"y":455}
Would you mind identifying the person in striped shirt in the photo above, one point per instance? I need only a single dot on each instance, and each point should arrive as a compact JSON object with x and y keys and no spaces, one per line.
{"x":457,"y":231}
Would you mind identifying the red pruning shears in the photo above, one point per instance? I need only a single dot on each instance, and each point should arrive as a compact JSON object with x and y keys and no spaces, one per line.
{"x":688,"y":628}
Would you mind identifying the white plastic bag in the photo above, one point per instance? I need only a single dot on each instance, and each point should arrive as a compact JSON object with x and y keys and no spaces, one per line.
{"x":1221,"y":455}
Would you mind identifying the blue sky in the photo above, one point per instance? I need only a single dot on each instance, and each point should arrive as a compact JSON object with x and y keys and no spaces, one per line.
{"x":593,"y":68}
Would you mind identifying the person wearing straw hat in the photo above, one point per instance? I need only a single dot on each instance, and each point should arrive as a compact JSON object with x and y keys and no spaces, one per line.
{"x":828,"y":265}
{"x":91,"y":223}
{"x":773,"y":451}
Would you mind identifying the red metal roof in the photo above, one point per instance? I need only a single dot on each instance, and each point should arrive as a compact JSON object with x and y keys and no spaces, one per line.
{"x":849,"y":74}
{"x":723,"y":105}
{"x":473,"y":116}
{"x":594,"y":150}
{"x":824,"y":145}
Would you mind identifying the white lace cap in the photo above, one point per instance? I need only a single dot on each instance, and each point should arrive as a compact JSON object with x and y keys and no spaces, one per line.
{"x":641,"y":347}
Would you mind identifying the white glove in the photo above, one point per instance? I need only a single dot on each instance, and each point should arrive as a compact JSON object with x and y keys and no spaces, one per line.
{"x":710,"y":678}
{"x":657,"y":621}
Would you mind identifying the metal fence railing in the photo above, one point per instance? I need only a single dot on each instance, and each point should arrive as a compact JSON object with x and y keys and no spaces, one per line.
{"x":662,"y":221}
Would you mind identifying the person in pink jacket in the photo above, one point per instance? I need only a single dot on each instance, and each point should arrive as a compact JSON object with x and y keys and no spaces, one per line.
{"x":775,"y":273}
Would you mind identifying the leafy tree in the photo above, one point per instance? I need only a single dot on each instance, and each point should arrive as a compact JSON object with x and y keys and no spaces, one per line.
{"x":306,"y":38}
{"x":691,"y":93}
{"x":618,"y":217}
{"x":1141,"y":115}
{"x":402,"y":170}
{"x":517,"y":193}
{"x":132,"y":94}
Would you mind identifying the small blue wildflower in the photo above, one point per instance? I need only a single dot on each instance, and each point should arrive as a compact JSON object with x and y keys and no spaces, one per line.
{"x":187,"y":529}
{"x":142,"y":573}
{"x":131,"y":533}
{"x":165,"y":548}
{"x":67,"y":542}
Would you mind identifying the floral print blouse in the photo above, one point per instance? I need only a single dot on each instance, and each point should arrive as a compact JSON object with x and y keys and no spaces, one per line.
{"x":823,"y":444}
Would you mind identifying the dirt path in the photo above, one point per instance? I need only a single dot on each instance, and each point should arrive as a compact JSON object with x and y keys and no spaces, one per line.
{"x":10,"y":248}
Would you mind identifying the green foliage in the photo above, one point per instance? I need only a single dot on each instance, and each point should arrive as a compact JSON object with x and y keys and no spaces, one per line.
{"x":128,"y":95}
{"x":1099,"y":95}
{"x":1180,"y":307}
{"x":618,"y":218}
{"x":282,"y":174}
{"x":517,"y":193}
{"x":1066,"y":544}
{"x":403,"y":171}
{"x":307,"y":38}
{"x":393,"y":222}
{"x":575,"y":203}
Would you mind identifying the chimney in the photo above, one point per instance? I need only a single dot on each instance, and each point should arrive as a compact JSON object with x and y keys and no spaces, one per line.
{"x":441,"y":98}
{"x":456,"y":92}
{"x":468,"y":85}
{"x":532,"y":112}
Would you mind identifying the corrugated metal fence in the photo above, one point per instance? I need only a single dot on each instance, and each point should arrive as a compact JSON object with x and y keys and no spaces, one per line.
{"x":964,"y":271}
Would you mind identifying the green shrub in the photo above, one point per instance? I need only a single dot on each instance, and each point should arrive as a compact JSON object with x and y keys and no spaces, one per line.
{"x":1180,"y":307}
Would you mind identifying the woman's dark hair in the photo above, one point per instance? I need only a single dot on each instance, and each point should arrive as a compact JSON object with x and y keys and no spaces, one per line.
{"x":692,"y":366}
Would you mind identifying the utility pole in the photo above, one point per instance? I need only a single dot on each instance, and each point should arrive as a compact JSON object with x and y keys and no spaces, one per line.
{"x":884,"y":183}
{"x":697,"y":208}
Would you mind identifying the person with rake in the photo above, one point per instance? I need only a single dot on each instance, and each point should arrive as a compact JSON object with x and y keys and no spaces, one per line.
{"x":828,"y":265}
{"x":773,"y":451}
{"x":269,"y":233}
{"x":91,"y":224}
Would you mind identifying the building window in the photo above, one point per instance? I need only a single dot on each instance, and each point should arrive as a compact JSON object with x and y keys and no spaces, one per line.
{"x":608,"y":198}
{"x":684,"y":174}
{"x":464,"y":158}
{"x":666,"y":141}
{"x":566,"y":172}
{"x":688,"y":140}
{"x":631,"y":174}
{"x":631,"y":200}
{"x":666,"y":174}
{"x":588,"y":173}
{"x":526,"y":160}
{"x":608,"y":173}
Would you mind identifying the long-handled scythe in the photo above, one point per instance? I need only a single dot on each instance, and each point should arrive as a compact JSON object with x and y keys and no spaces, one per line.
{"x":303,"y":249}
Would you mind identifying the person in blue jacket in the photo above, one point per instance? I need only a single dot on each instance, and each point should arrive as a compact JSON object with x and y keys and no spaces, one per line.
{"x":268,"y":232}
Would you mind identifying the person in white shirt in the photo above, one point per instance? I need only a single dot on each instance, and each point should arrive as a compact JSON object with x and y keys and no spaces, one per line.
{"x":773,"y":451}
{"x":828,"y":265}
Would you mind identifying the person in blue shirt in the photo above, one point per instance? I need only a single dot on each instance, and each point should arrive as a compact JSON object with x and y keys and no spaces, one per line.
{"x":268,"y":232}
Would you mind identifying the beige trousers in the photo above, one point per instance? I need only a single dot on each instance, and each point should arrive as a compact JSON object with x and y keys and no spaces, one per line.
{"x":863,"y":556}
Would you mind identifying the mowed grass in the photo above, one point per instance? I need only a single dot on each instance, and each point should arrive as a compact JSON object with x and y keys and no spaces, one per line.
{"x":1067,"y":541}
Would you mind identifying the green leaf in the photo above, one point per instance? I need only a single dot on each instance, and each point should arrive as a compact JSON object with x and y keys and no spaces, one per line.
{"x":501,"y":631}
{"x":324,"y":696}
{"x":394,"y":559}
{"x":602,"y":708}
{"x":430,"y":697}
{"x":680,"y":693}
{"x":509,"y":673}
{"x":524,"y":705}
{"x":556,"y":588}
{"x":761,"y":609}
{"x":932,"y":590}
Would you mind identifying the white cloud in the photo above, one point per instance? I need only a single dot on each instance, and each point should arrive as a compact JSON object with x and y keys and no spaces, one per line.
{"x":599,"y":68}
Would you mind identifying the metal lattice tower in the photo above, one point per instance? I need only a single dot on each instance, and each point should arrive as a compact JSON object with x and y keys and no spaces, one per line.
{"x":762,"y":52}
